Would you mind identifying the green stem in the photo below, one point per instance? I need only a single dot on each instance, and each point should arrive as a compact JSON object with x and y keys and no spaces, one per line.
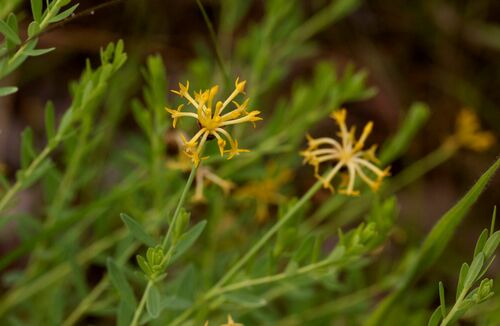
{"x":213,"y":38}
{"x":272,"y":278}
{"x":19,"y":183}
{"x":419,"y":168}
{"x":140,"y":308}
{"x":449,"y":317}
{"x":182,"y":199}
{"x":86,"y":303}
{"x":263,"y":241}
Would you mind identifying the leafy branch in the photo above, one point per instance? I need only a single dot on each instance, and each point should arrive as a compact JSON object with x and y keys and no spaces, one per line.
{"x":466,"y":297}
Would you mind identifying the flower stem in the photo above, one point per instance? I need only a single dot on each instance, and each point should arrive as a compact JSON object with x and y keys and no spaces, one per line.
{"x":182,"y":199}
{"x":213,"y":38}
{"x":256,"y":247}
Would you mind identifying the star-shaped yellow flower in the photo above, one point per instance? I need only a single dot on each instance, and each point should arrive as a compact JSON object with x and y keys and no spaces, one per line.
{"x":347,"y":154}
{"x":211,"y":120}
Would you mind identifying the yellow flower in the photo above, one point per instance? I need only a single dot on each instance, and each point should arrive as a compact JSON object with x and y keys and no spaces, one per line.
{"x":266,"y":192}
{"x":468,"y":133}
{"x":211,"y":120}
{"x":203,"y":174}
{"x":230,"y":322}
{"x":348,"y":154}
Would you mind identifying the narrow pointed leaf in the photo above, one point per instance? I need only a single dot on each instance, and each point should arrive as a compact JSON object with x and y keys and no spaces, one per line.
{"x":137,"y":230}
{"x":119,"y":281}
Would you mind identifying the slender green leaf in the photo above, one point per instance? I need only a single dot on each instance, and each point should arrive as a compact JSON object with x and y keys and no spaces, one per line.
{"x":27,"y":149}
{"x":137,"y":230}
{"x":153,"y":302}
{"x":37,"y":52}
{"x":442,"y":302}
{"x":9,"y":33}
{"x":124,"y":314}
{"x":474,"y":270}
{"x":434,"y":244}
{"x":119,"y":281}
{"x":435,"y":317}
{"x":143,"y":264}
{"x":413,"y":122}
{"x":4,"y":91}
{"x":481,"y":241}
{"x":491,"y":245}
{"x":188,"y":239}
{"x":63,"y":15}
{"x":36,"y":9}
{"x":464,"y":270}
{"x":33,"y":29}
{"x":440,"y":235}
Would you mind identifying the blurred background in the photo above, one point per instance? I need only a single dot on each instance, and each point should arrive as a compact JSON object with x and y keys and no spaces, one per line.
{"x":443,"y":53}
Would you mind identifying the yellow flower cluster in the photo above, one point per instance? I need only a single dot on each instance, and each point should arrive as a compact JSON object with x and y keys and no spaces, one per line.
{"x":348,"y":154}
{"x":211,"y":119}
{"x":468,"y":133}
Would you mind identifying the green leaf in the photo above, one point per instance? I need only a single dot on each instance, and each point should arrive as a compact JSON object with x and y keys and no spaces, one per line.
{"x":137,"y":230}
{"x":27,"y":150}
{"x":461,"y":279}
{"x":493,"y":219}
{"x":434,"y":244}
{"x":491,"y":245}
{"x":33,"y":29}
{"x":474,"y":270}
{"x":153,"y":302}
{"x":50,"y":121}
{"x":413,"y":122}
{"x":9,"y":33}
{"x":37,"y":52}
{"x":28,"y":180}
{"x":188,"y":239}
{"x":442,"y":301}
{"x":435,"y":317}
{"x":4,"y":91}
{"x":481,"y":241}
{"x":119,"y":281}
{"x":143,"y":264}
{"x":63,"y":15}
{"x":36,"y":9}
{"x":124,"y":314}
{"x":441,"y":233}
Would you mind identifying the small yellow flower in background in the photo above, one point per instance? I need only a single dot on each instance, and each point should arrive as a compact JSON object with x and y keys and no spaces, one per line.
{"x":348,"y":154}
{"x":203,"y":173}
{"x":211,"y":120}
{"x":468,"y":133}
{"x":266,"y":192}
{"x":230,"y":322}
